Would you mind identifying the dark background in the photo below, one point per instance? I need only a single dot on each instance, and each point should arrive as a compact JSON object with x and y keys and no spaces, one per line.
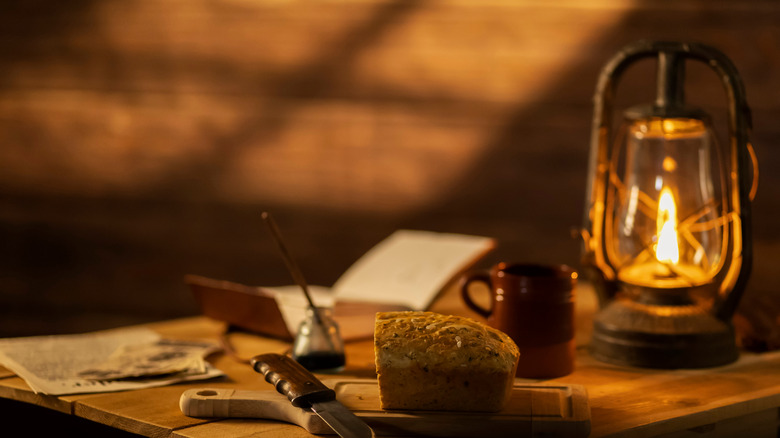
{"x":140,"y":140}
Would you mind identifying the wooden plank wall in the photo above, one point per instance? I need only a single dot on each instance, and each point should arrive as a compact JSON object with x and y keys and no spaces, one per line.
{"x":140,"y":140}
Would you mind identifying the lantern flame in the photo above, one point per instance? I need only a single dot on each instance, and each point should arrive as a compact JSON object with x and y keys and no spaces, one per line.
{"x":667,"y":249}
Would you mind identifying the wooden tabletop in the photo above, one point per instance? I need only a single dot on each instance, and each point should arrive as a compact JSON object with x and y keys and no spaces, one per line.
{"x":741,"y":397}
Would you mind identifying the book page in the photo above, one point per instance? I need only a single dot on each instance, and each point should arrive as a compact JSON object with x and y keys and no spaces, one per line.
{"x":293,"y":304}
{"x":410,"y":268}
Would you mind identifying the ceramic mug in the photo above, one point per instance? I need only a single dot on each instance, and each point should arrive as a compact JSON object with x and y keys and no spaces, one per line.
{"x":534,"y":305}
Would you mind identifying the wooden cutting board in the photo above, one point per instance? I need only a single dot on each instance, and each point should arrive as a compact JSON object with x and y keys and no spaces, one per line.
{"x":533,"y":410}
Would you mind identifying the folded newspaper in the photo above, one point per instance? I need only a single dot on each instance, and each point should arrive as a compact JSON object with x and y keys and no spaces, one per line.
{"x":105,"y":361}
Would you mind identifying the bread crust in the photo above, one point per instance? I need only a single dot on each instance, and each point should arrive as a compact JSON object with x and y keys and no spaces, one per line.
{"x":430,"y":361}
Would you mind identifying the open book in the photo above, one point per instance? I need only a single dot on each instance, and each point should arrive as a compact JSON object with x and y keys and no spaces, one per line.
{"x":406,"y":271}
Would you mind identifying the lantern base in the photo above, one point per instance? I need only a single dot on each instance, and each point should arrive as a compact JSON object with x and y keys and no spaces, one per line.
{"x":642,"y":335}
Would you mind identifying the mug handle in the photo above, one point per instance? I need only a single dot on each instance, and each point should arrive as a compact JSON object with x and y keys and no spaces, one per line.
{"x":465,"y":281}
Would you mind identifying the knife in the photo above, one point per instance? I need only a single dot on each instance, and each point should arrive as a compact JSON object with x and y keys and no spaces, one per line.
{"x":306,"y":391}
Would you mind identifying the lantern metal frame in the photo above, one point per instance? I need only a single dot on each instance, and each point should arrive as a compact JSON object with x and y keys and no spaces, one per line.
{"x":668,"y":334}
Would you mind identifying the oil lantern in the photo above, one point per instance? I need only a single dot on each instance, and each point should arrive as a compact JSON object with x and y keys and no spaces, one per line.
{"x":666,"y":236}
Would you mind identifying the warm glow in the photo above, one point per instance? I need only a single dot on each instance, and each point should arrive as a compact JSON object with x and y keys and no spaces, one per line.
{"x":667,"y":249}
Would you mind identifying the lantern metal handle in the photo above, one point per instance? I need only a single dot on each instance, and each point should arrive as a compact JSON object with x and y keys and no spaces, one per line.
{"x":754,"y":162}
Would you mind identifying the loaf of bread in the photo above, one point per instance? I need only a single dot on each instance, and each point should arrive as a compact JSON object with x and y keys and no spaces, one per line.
{"x":429,"y":361}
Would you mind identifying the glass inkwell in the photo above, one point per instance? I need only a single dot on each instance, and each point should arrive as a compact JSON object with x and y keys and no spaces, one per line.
{"x":318,"y":344}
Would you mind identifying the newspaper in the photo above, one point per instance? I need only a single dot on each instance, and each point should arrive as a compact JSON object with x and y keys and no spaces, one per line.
{"x":105,"y":361}
{"x":163,"y":357}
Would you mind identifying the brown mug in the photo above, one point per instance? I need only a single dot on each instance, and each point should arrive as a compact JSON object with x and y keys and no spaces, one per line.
{"x":534,"y":305}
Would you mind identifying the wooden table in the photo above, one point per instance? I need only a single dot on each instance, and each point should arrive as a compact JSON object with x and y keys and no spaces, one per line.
{"x":742,"y":398}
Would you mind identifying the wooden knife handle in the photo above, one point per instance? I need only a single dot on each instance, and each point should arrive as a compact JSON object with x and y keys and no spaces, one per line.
{"x":292,"y":379}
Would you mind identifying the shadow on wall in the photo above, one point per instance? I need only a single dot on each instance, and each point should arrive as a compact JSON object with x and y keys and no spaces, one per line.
{"x":142,"y":140}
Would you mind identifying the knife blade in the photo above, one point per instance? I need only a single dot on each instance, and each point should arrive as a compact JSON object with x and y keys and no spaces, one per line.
{"x":304,"y":390}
